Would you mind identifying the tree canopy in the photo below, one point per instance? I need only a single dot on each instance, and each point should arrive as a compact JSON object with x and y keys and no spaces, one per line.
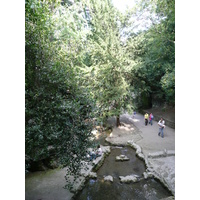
{"x":85,"y":60}
{"x":58,"y":110}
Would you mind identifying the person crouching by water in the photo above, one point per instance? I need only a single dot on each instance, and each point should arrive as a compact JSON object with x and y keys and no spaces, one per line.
{"x":161,"y":125}
{"x":146,"y":116}
{"x":99,"y":151}
{"x":94,"y":155}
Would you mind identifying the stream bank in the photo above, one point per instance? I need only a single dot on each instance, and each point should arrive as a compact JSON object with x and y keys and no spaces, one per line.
{"x":49,"y":184}
{"x":158,"y":154}
{"x":118,"y":180}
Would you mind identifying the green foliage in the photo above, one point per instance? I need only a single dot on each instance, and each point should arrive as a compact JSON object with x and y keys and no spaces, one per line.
{"x":84,"y":58}
{"x":154,"y":53}
{"x":58,"y":111}
{"x":108,"y":66}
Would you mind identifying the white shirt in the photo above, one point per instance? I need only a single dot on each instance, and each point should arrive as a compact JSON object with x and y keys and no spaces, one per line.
{"x":161,"y":124}
{"x":99,"y":151}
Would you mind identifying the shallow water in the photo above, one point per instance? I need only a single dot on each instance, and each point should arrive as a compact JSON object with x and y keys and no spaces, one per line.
{"x":97,"y":189}
{"x":118,"y":168}
{"x":49,"y":185}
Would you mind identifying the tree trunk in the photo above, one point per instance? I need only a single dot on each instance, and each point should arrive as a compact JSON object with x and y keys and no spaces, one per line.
{"x":118,"y":121}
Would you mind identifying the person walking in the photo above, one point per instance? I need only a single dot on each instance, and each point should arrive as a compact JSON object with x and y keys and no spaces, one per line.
{"x":146,"y":117}
{"x":150,"y":119}
{"x":134,"y":113}
{"x":161,"y":125}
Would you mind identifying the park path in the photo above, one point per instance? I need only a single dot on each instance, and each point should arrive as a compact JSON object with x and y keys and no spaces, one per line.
{"x":150,"y":141}
{"x":145,"y":136}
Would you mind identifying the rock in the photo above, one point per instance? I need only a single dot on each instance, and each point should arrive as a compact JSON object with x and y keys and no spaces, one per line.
{"x":135,"y":146}
{"x":163,"y":153}
{"x":106,"y":149}
{"x":53,"y":164}
{"x":94,"y":132}
{"x":141,"y":155}
{"x":157,"y":154}
{"x":128,"y":179}
{"x":148,"y":175}
{"x":170,"y":153}
{"x":122,"y":158}
{"x":169,"y":198}
{"x":92,"y":175}
{"x":108,"y":178}
{"x":145,"y":175}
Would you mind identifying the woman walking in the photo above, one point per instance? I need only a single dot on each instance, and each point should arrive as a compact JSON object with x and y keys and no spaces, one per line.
{"x":161,"y":125}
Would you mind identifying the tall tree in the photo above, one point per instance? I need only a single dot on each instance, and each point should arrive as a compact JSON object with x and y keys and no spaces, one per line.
{"x":155,"y":55}
{"x":109,"y":65}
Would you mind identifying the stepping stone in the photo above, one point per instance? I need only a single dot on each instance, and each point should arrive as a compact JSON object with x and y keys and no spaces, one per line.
{"x":93,"y":175}
{"x":108,"y":178}
{"x":122,"y":158}
{"x":128,"y":179}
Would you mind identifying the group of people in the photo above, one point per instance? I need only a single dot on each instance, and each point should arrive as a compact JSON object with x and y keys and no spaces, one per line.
{"x":161,"y":123}
{"x":148,"y":117}
{"x":94,"y":154}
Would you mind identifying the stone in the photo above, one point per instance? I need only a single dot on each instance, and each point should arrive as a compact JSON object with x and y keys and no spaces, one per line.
{"x":92,"y":175}
{"x":145,"y":175}
{"x":108,"y":178}
{"x":170,"y":153}
{"x":148,"y":175}
{"x":122,"y":158}
{"x":169,"y":198}
{"x":157,"y":154}
{"x":106,"y":149}
{"x":135,"y":146}
{"x":141,"y":155}
{"x":128,"y":179}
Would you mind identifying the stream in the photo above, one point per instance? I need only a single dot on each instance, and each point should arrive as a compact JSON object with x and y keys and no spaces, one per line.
{"x":97,"y":189}
{"x":48,"y":185}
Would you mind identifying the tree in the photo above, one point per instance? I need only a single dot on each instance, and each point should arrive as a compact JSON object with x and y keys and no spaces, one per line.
{"x":109,"y":67}
{"x":58,"y":111}
{"x":154,"y":51}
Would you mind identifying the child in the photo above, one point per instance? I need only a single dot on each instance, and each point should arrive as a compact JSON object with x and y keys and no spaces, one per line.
{"x":150,"y":118}
{"x":146,"y":116}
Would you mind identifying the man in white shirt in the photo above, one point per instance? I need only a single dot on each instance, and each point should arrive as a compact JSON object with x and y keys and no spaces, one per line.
{"x":99,"y":151}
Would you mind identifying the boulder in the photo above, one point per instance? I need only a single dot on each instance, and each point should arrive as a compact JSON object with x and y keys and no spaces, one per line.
{"x":148,"y":175}
{"x":92,"y":175}
{"x":108,"y":178}
{"x":129,"y":179}
{"x":122,"y":158}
